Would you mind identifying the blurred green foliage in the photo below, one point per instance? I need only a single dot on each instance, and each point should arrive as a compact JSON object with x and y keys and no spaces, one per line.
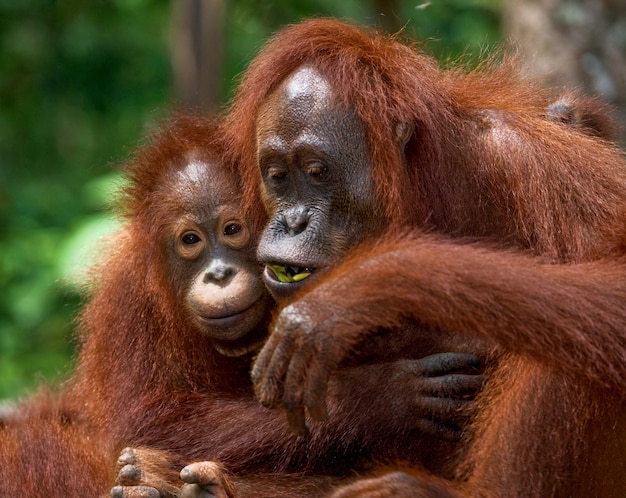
{"x":80,"y":82}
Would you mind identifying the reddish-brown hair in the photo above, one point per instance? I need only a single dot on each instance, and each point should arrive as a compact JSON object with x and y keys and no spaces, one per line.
{"x":479,"y":134}
{"x":132,"y":290}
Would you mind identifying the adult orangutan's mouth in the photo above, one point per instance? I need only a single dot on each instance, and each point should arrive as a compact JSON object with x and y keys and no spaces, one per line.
{"x":290,"y":274}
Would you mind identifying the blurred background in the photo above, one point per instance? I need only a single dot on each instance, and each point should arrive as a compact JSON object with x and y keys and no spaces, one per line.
{"x":82,"y":80}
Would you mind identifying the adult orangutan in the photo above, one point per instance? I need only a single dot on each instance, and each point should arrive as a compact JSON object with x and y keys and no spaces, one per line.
{"x":176,"y":311}
{"x":476,"y":214}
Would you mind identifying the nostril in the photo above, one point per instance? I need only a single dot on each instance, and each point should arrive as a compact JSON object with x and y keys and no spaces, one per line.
{"x":297,"y":220}
{"x":218,"y":272}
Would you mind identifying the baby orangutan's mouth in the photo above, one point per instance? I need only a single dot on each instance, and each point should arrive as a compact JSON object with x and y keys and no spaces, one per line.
{"x":290,"y":274}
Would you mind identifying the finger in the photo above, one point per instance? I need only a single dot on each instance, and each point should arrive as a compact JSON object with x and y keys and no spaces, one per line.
{"x":134,"y":492}
{"x":306,"y":383}
{"x":268,"y":388}
{"x":446,"y":363}
{"x":194,"y":491}
{"x":445,"y":432}
{"x":127,"y":456}
{"x":329,"y":352}
{"x":264,"y":357}
{"x":443,"y":407}
{"x":297,"y":421}
{"x":447,"y":411}
{"x":316,"y":386}
{"x":271,"y":372}
{"x":129,"y":475}
{"x":202,"y":473}
{"x":280,"y":329}
{"x":206,"y":480}
{"x":292,"y":395}
{"x":454,"y":385}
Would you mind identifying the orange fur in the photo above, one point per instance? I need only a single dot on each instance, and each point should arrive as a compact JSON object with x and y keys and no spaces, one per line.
{"x":525,"y":247}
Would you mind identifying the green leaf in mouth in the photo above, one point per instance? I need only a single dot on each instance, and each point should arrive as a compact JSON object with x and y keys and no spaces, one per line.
{"x":290,"y":274}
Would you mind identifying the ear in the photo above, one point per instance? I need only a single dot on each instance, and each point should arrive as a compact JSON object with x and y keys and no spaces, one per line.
{"x":403,"y":132}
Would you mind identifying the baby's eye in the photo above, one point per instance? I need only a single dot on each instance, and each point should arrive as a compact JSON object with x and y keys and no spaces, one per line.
{"x":190,"y":238}
{"x":232,"y":229}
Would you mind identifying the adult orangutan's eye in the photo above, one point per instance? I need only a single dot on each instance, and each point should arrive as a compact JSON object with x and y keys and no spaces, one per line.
{"x":316,"y":169}
{"x":276,"y":173}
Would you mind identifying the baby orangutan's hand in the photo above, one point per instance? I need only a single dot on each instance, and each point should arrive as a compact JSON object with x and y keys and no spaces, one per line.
{"x":206,"y":480}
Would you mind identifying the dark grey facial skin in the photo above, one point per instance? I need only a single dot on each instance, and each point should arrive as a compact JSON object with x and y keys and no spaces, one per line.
{"x":317,"y":181}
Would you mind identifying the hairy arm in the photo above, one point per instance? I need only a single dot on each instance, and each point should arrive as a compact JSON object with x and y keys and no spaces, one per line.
{"x":570,"y":317}
{"x":234,"y":441}
{"x":373,"y":409}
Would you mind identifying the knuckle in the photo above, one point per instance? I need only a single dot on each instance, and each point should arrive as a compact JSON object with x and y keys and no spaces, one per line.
{"x":293,"y":318}
{"x":117,"y":492}
{"x":129,"y":473}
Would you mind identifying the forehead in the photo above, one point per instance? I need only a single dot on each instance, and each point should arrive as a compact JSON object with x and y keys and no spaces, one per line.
{"x":205,"y":183}
{"x":305,"y":83}
{"x":304,"y":105}
{"x":301,"y":97}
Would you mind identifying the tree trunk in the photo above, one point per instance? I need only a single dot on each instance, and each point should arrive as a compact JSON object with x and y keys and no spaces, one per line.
{"x":197,"y":53}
